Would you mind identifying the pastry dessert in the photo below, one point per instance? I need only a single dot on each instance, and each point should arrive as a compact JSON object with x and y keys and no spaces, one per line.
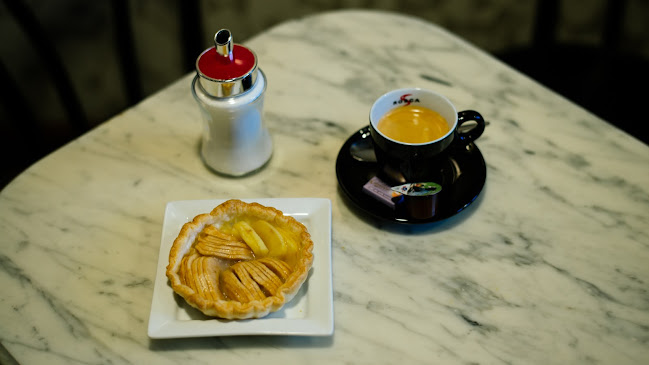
{"x":242,"y":260}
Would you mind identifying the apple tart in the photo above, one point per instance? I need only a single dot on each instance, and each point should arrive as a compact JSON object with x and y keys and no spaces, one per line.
{"x":241,"y":260}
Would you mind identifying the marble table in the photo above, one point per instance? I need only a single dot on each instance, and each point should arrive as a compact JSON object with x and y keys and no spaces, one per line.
{"x":550,"y":264}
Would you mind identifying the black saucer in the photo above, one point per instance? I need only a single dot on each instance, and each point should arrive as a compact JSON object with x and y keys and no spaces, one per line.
{"x":463,"y":169}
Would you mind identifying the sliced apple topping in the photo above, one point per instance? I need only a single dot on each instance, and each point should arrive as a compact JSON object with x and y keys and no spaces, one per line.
{"x":213,"y":231}
{"x":201,"y":274}
{"x":292,"y":246}
{"x":278,"y":267}
{"x":233,"y":288}
{"x":251,"y":238}
{"x":251,"y":285}
{"x":212,"y":242}
{"x":246,"y":281}
{"x":273,"y":239}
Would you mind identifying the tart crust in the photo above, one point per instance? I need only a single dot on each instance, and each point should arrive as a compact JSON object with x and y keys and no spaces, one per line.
{"x":216,"y":304}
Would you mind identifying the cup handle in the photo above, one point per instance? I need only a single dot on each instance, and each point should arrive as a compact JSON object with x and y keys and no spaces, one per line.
{"x":470,"y":135}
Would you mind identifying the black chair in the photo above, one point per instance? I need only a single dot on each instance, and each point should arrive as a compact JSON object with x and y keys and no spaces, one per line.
{"x":608,"y":81}
{"x":25,"y":138}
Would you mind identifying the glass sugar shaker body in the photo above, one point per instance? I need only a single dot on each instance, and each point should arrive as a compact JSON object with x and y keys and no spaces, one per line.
{"x":229,"y":89}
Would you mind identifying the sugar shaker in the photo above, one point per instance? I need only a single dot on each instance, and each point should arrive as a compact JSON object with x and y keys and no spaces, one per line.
{"x":229,"y":89}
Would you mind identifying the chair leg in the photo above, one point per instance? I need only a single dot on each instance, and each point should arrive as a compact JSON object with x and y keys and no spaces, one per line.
{"x":126,"y":50}
{"x":192,"y":32}
{"x":52,"y":63}
{"x":545,"y":23}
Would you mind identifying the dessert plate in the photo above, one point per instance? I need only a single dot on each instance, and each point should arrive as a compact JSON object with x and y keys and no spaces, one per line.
{"x":463,"y":168}
{"x":310,"y":313}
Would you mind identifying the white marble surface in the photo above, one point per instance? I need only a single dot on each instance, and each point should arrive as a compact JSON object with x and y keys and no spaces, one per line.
{"x":549,"y":266}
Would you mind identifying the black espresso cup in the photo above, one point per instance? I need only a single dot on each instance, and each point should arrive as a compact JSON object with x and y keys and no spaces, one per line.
{"x":414,"y":162}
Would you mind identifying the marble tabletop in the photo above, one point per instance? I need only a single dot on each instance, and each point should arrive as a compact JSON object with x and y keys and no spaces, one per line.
{"x":550,"y":265}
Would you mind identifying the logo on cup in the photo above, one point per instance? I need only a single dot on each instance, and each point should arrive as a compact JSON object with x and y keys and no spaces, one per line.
{"x":405,"y":100}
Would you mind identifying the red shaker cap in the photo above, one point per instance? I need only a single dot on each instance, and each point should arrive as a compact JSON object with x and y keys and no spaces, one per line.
{"x":212,"y":65}
{"x":227,"y":69}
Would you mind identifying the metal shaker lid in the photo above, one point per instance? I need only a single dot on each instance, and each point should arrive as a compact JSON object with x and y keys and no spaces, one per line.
{"x":227,"y":69}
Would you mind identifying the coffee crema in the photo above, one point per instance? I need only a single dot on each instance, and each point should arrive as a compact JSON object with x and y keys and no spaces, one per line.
{"x":413,"y":124}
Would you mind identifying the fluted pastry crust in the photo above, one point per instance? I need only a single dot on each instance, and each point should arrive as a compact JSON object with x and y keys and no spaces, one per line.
{"x":219,"y":275}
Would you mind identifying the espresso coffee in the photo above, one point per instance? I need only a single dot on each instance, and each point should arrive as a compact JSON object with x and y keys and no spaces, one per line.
{"x":413,"y":124}
{"x":411,"y":128}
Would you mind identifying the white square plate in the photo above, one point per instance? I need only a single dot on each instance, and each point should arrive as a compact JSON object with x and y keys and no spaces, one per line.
{"x":310,"y":313}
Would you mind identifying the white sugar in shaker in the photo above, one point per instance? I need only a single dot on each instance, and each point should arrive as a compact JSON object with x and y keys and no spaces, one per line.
{"x":229,"y":88}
